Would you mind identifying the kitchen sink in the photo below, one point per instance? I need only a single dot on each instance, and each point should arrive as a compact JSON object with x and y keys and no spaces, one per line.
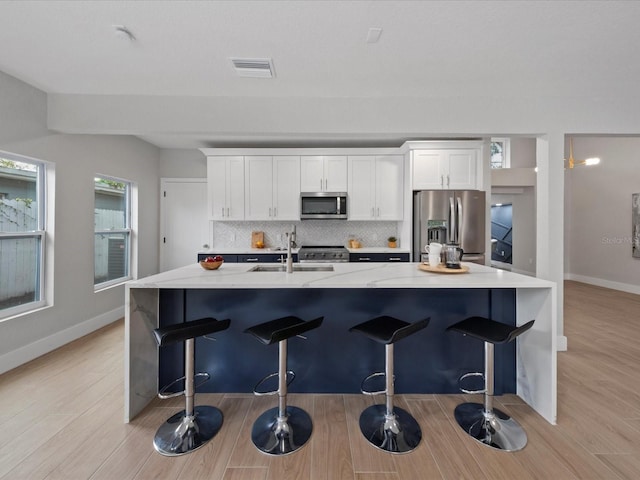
{"x":296,"y":268}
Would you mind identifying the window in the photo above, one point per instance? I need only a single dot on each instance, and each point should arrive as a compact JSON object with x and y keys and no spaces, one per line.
{"x":112,"y":212}
{"x":22,"y":234}
{"x":500,"y":155}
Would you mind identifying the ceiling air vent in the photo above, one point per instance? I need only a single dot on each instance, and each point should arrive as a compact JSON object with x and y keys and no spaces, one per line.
{"x":254,"y":67}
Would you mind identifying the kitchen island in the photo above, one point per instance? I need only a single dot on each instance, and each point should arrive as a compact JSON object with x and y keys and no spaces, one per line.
{"x":331,"y":359}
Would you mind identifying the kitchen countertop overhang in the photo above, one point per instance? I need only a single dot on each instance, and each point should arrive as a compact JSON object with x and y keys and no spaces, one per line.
{"x":345,"y":275}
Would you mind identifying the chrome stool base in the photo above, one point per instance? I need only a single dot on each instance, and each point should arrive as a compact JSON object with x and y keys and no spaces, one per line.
{"x":182,"y":434}
{"x":495,"y":429}
{"x":396,"y":433}
{"x":276,"y":435}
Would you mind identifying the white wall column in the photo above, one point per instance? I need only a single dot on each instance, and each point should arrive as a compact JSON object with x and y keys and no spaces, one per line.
{"x":550,"y":219}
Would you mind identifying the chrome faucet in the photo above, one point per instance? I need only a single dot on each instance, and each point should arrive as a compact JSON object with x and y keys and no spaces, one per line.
{"x":290,"y":240}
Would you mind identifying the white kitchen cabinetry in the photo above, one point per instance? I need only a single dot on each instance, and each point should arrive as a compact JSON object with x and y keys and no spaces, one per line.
{"x":225,"y":187}
{"x":323,"y":173}
{"x":375,"y":187}
{"x":272,"y":187}
{"x":445,"y":169}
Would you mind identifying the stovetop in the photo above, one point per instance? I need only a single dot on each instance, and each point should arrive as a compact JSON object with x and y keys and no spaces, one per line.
{"x":323,"y":253}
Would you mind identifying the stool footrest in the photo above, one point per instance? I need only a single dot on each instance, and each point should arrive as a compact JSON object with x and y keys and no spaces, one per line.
{"x":370,"y":392}
{"x":290,"y":377}
{"x":468,"y":375}
{"x":165,"y":396}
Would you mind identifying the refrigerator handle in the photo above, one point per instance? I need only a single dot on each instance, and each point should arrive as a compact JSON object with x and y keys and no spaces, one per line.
{"x":452,"y":234}
{"x":459,"y":222}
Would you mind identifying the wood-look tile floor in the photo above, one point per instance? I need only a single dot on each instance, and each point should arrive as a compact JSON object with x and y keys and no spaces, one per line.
{"x":61,"y":417}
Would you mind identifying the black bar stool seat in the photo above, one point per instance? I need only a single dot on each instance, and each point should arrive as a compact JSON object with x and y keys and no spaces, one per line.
{"x":283,"y":429}
{"x":281,"y":329}
{"x":489,"y":330}
{"x":192,"y":427}
{"x":489,"y":426}
{"x":180,"y":332}
{"x":387,"y":329}
{"x":386,"y":427}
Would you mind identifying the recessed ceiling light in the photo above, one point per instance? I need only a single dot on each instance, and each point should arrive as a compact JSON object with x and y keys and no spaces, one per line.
{"x":373,"y":35}
{"x":254,"y":67}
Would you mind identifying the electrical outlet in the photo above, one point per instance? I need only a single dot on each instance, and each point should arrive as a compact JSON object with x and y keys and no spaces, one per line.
{"x":375,"y":237}
{"x":233,"y":237}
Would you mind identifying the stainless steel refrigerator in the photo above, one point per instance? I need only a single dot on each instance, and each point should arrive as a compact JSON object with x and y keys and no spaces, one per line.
{"x":450,"y":216}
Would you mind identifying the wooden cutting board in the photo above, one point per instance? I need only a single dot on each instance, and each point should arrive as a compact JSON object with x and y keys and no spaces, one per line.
{"x":442,"y":269}
{"x":255,"y":238}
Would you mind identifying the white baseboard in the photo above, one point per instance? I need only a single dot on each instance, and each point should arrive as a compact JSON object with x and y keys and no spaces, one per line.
{"x":22,"y":355}
{"x":561,"y":343}
{"x":623,"y":287}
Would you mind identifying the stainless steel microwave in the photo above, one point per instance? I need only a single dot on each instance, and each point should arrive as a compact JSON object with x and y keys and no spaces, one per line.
{"x":323,"y":205}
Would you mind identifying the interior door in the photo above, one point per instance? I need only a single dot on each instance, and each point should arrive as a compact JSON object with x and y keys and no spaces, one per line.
{"x":184,"y":221}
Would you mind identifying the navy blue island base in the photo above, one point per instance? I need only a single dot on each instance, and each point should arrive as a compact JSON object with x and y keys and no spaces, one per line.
{"x":332,"y":360}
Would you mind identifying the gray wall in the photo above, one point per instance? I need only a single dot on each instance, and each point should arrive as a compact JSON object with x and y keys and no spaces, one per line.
{"x":75,"y":307}
{"x":23,"y":110}
{"x":597,"y":226}
{"x":523,"y":152}
{"x":598,"y":207}
{"x":182,"y":163}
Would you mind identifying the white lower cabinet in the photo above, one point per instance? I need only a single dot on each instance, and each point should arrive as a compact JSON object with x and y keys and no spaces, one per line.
{"x":225,"y":187}
{"x":272,"y":187}
{"x":375,"y":187}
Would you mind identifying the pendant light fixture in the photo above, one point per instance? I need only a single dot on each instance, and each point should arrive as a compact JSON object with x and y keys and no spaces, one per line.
{"x":573,"y":162}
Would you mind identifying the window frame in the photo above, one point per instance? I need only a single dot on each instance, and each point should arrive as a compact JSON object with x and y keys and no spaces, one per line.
{"x":506,"y":152}
{"x":128,"y":231}
{"x":40,"y":233}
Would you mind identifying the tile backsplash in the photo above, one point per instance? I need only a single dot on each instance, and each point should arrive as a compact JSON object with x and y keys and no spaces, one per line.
{"x":308,"y":232}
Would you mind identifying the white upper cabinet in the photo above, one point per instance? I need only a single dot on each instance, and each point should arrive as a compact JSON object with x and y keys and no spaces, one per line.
{"x":286,"y":188}
{"x":225,"y":187}
{"x":445,"y":169}
{"x":323,"y":173}
{"x":272,"y":187}
{"x":375,"y":187}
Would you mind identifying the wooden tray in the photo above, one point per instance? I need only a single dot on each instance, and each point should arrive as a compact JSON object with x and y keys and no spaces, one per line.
{"x":442,"y":269}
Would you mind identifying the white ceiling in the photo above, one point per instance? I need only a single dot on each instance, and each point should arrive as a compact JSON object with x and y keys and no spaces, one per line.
{"x":182,"y":49}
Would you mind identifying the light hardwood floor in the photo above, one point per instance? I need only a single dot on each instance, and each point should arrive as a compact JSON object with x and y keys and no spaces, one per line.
{"x":61,"y":418}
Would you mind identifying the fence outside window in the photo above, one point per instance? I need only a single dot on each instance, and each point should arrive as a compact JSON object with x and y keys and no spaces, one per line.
{"x":112,"y":243}
{"x":22,"y":234}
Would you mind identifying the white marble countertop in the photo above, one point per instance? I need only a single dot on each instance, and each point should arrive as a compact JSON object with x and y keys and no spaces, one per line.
{"x":345,"y":275}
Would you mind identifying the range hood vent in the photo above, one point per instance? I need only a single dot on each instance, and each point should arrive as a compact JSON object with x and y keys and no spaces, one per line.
{"x":254,"y":67}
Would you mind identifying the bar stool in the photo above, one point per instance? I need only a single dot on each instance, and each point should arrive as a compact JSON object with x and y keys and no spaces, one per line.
{"x":387,"y":427}
{"x":192,"y":427}
{"x":484,"y":423}
{"x":283,"y":429}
